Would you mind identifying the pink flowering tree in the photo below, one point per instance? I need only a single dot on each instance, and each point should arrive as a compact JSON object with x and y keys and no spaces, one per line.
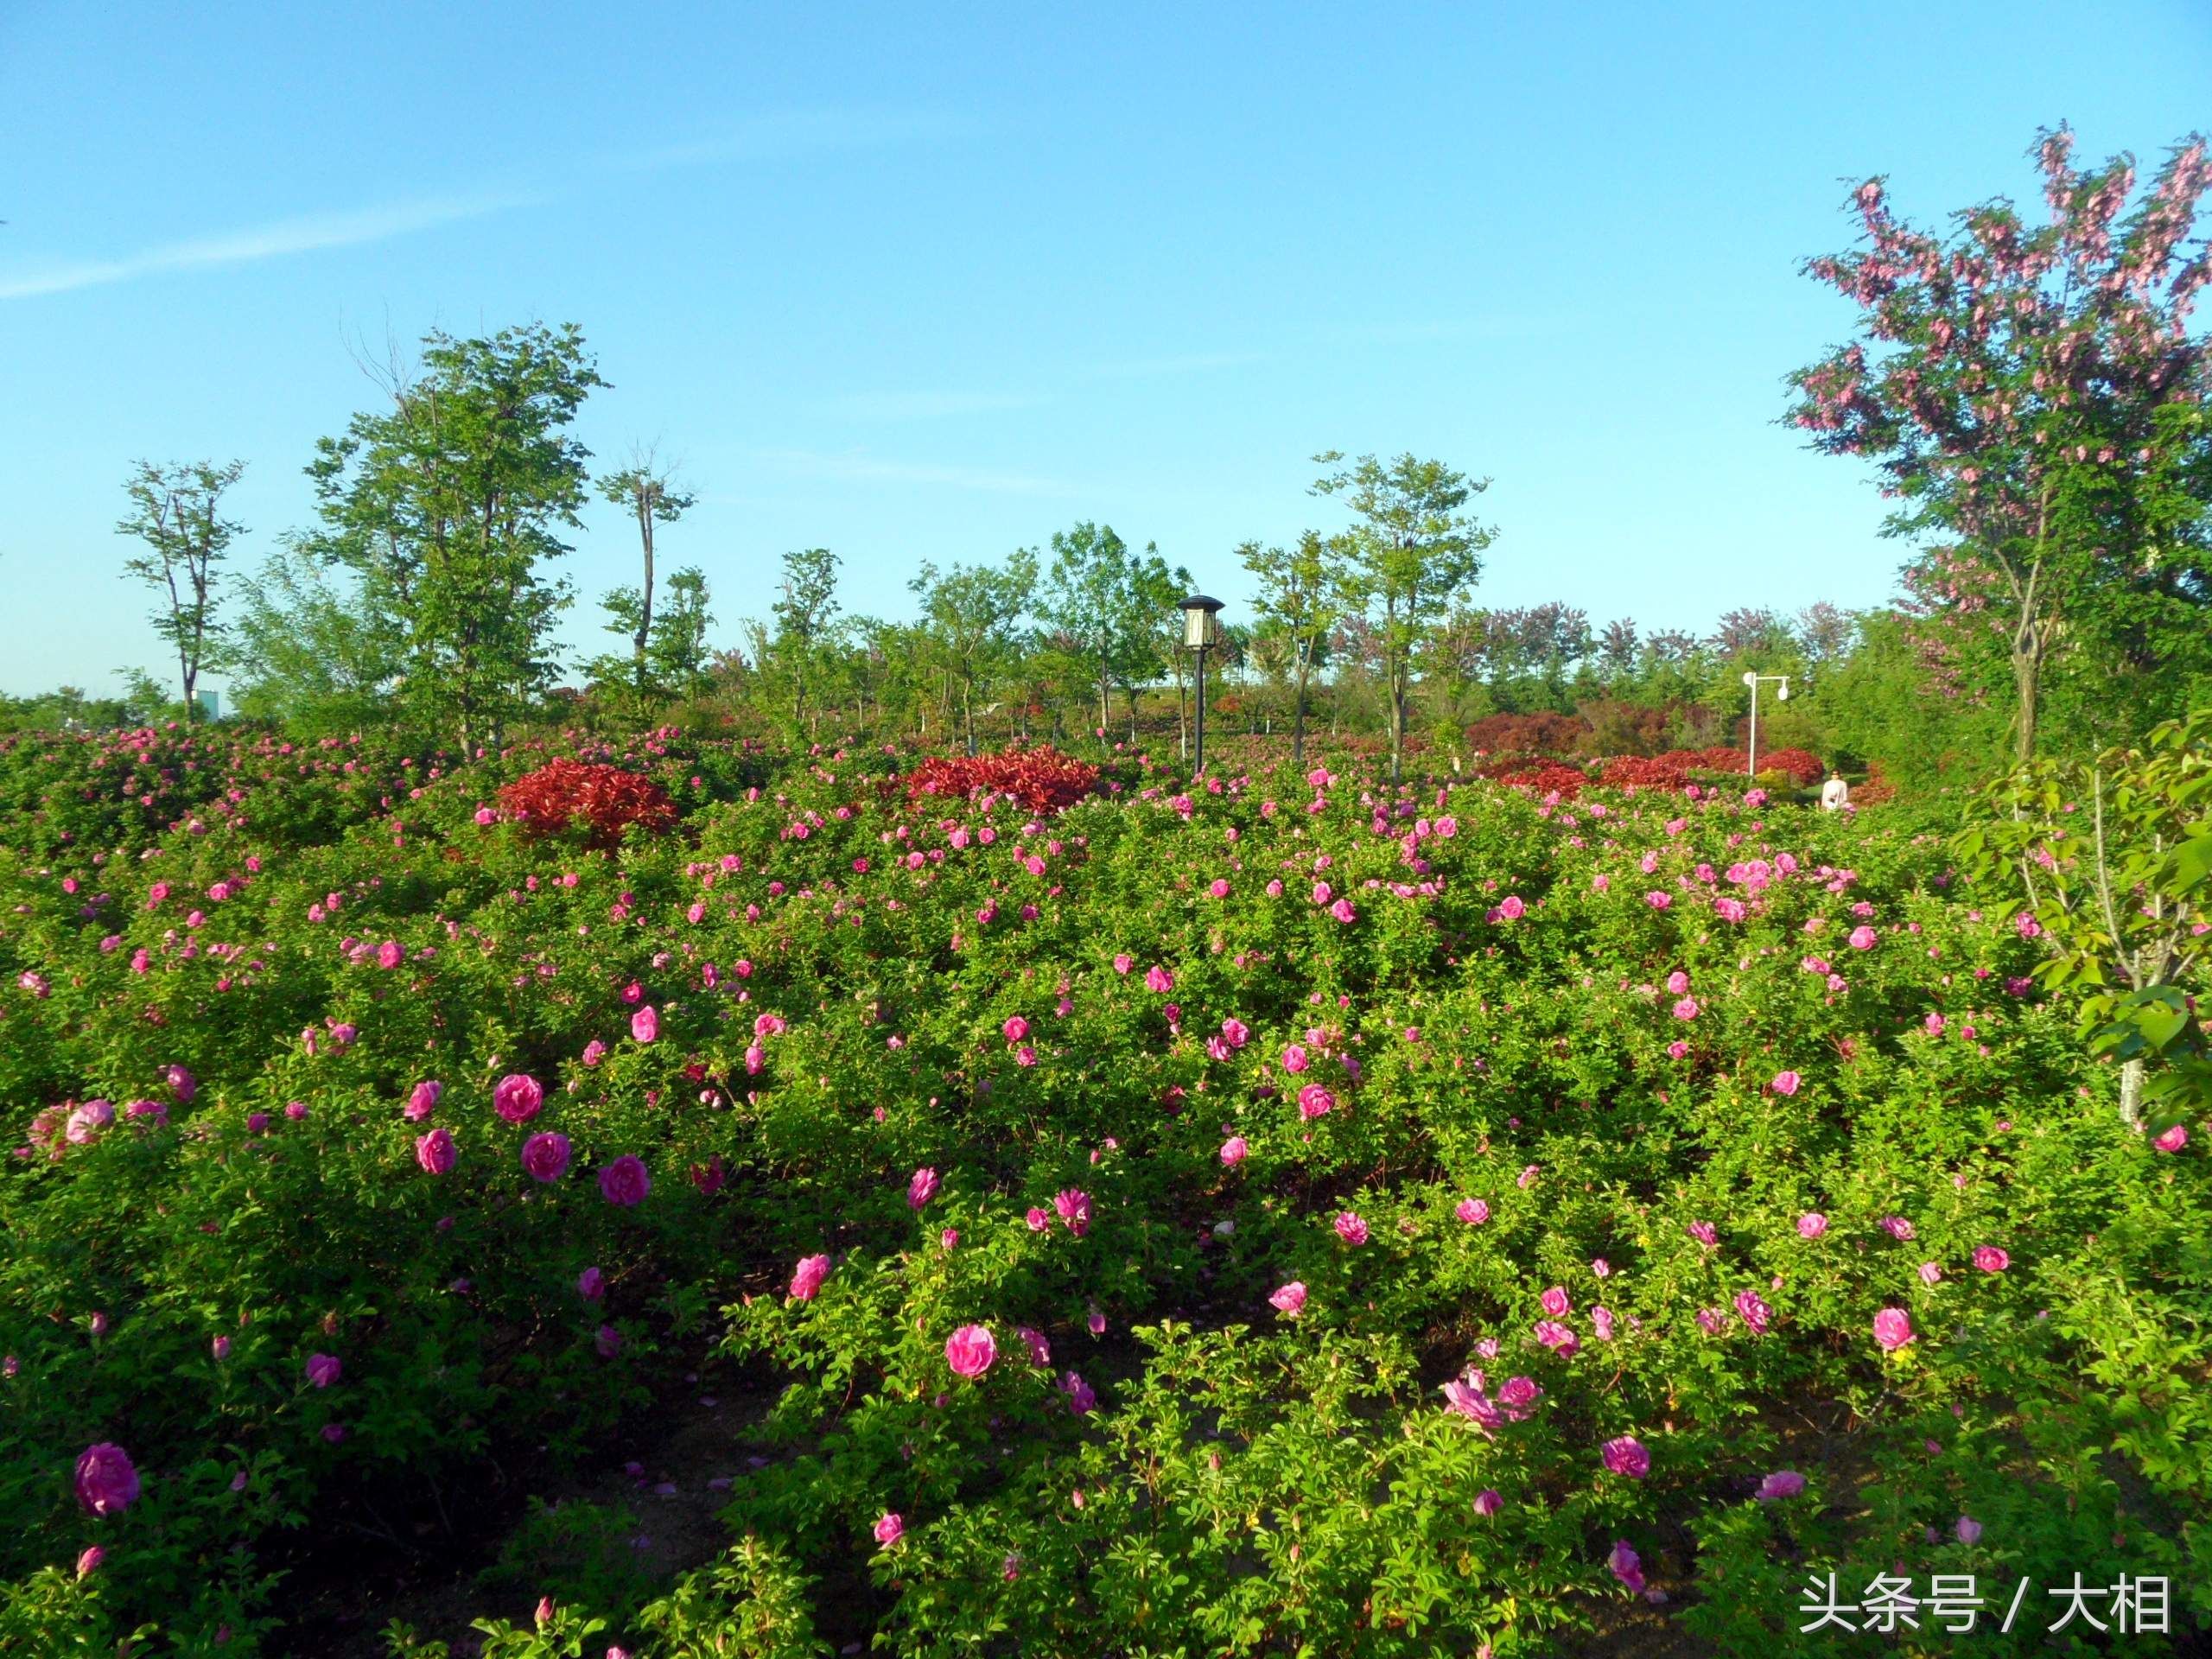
{"x":2033,"y":398}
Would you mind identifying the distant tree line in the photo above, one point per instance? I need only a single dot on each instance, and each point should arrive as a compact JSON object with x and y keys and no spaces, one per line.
{"x":2033,"y":398}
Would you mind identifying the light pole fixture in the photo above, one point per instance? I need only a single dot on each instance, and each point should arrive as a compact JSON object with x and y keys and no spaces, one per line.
{"x":1752,"y":678}
{"x":1201,"y":632}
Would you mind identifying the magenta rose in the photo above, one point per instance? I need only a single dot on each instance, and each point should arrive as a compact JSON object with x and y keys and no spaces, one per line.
{"x":970,"y":1351}
{"x":625,"y":1182}
{"x":518,"y":1097}
{"x":107,"y":1483}
{"x":546,"y":1155}
{"x":1625,"y":1455}
{"x":807,"y":1277}
{"x":436,"y":1152}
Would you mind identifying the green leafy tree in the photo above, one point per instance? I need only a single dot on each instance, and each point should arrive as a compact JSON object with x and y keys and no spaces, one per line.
{"x":647,"y":490}
{"x":309,"y":651}
{"x":446,"y":508}
{"x":802,"y":616}
{"x":2108,"y":864}
{"x":1106,"y":601}
{"x":1413,"y":555}
{"x":177,"y":512}
{"x":969,"y":614}
{"x":2031,"y":397}
{"x":1302,"y":596}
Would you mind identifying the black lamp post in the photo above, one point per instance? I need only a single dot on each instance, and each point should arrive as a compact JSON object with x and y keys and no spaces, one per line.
{"x":1201,"y":632}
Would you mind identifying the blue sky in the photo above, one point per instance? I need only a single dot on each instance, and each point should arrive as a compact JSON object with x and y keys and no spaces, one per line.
{"x":911,"y":285}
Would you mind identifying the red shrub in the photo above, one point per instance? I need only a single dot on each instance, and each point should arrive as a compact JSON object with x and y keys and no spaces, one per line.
{"x":1656,"y":772}
{"x":1528,"y":735}
{"x":1044,"y":780}
{"x":1802,"y":766}
{"x":1544,"y":778}
{"x":607,"y":799}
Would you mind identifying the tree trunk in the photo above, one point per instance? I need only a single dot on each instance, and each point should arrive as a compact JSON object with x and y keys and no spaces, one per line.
{"x":2131,"y":1079}
{"x":645,"y":615}
{"x":1298,"y":717}
{"x":2026,"y":676}
{"x":1398,"y":727}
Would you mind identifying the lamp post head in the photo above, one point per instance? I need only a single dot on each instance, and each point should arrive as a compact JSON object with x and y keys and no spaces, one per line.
{"x":1200,"y":627}
{"x":1750,"y":677}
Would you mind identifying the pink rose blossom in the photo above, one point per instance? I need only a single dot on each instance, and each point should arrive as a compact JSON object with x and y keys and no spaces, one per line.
{"x":518,"y":1097}
{"x":970,"y":1351}
{"x":625,"y":1182}
{"x":545,"y":1156}
{"x":807,"y":1277}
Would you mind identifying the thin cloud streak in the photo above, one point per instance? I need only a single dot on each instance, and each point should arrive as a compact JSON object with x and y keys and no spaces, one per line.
{"x":309,"y":234}
{"x":768,"y":137}
{"x":854,"y":466}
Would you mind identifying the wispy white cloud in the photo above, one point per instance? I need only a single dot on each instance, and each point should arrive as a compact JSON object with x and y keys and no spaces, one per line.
{"x":307,"y":234}
{"x":924,"y":405}
{"x":762,"y":137}
{"x":856,"y":466}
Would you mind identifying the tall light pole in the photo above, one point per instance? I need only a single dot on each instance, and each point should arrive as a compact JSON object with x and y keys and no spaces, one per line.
{"x":1201,"y":632}
{"x":1752,"y":678}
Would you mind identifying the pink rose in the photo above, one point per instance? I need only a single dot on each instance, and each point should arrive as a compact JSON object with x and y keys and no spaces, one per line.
{"x":970,"y":1351}
{"x":644,"y":1024}
{"x":436,"y":1152}
{"x":546,"y":1156}
{"x":625,"y":1182}
{"x":889,"y":1529}
{"x":807,"y":1277}
{"x":922,"y":1188}
{"x":518,"y":1097}
{"x":1893,"y":1329}
{"x":1289,"y":1300}
{"x":1626,"y":1455}
{"x":107,"y":1483}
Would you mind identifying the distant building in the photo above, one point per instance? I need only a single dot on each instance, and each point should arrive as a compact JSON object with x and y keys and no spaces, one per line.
{"x":210,"y":704}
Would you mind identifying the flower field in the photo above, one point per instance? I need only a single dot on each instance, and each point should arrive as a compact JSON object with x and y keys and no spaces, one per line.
{"x":1284,"y":1216}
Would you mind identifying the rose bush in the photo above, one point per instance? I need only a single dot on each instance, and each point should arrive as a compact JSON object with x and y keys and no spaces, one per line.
{"x":1277,"y":1210}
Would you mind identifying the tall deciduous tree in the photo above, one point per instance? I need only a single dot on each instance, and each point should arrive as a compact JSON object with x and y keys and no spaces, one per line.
{"x":2032,"y":398}
{"x":177,"y":512}
{"x":1302,"y":596}
{"x":447,"y":507}
{"x":1107,"y":601}
{"x":969,"y":614}
{"x":648,"y":491}
{"x":802,"y":615}
{"x":1413,"y":555}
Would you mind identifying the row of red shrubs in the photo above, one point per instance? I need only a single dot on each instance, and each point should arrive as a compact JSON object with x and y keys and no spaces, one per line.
{"x":607,"y":800}
{"x":1042,"y":779}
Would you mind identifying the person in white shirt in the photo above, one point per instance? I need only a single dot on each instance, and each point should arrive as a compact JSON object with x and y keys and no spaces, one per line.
{"x":1835,"y":792}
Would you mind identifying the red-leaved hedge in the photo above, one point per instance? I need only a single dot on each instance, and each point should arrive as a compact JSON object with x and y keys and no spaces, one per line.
{"x":606,"y":799}
{"x":1044,"y":780}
